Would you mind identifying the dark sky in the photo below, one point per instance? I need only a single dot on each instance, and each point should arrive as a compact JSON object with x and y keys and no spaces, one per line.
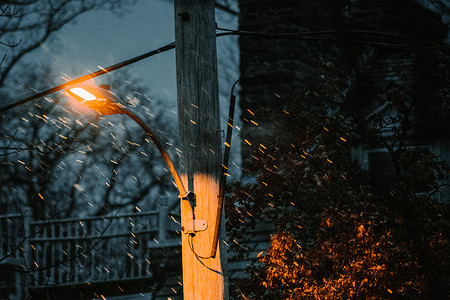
{"x":101,"y":38}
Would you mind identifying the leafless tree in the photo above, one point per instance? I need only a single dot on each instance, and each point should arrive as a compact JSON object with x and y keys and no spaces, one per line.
{"x":62,"y":163}
{"x":26,"y":24}
{"x":57,"y":159}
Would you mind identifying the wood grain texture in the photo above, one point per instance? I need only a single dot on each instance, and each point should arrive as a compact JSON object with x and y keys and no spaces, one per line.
{"x":199,"y":125}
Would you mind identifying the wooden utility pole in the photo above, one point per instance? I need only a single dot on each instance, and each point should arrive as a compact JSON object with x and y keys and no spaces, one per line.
{"x":204,"y":277}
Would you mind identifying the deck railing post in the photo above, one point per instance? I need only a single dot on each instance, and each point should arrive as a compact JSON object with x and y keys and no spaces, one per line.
{"x":34,"y":265}
{"x":27,"y":234}
{"x":162,"y":224}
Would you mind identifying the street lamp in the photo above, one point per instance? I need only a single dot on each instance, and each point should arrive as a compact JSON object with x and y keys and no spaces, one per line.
{"x":102,"y":100}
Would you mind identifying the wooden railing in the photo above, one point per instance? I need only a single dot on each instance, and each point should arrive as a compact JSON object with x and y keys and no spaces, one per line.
{"x":85,"y":250}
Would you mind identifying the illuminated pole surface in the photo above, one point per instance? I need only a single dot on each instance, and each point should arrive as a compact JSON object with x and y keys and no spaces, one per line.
{"x":204,"y":277}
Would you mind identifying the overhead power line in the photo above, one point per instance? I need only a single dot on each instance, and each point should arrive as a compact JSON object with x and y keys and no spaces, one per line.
{"x":353,"y":36}
{"x":90,"y":76}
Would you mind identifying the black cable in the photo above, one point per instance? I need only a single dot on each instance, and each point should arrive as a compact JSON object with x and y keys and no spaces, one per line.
{"x":102,"y":71}
{"x":223,"y":177}
{"x":198,"y":257}
{"x":312,"y":35}
{"x":191,"y":246}
{"x":226,"y":156}
{"x":280,"y":35}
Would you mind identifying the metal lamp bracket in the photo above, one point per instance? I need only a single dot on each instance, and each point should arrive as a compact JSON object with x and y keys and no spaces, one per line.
{"x":193,"y":226}
{"x":190,"y":196}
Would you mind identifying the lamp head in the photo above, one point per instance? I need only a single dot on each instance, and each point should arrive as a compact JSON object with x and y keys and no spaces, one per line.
{"x":100,"y":98}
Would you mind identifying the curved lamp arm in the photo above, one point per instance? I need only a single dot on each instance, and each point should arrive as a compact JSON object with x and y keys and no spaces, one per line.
{"x":103,"y":101}
{"x":176,"y":176}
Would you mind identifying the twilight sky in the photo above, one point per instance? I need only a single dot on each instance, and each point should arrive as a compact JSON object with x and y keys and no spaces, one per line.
{"x":101,"y":38}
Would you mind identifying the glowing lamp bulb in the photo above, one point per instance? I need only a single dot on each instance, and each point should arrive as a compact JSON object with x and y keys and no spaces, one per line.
{"x":83,"y":94}
{"x":99,"y":99}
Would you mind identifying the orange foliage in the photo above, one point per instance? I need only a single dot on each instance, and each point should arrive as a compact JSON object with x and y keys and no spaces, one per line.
{"x":356,"y":269}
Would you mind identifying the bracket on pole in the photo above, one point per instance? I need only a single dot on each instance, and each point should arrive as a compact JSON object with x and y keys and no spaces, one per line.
{"x":193,"y":226}
{"x":190,"y":196}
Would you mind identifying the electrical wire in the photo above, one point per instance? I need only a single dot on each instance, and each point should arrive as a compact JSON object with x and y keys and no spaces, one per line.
{"x":224,"y":174}
{"x":313,"y":35}
{"x":102,"y":71}
{"x":310,"y":35}
{"x":226,"y":156}
{"x":223,"y":178}
{"x":198,"y":257}
{"x":191,"y":246}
